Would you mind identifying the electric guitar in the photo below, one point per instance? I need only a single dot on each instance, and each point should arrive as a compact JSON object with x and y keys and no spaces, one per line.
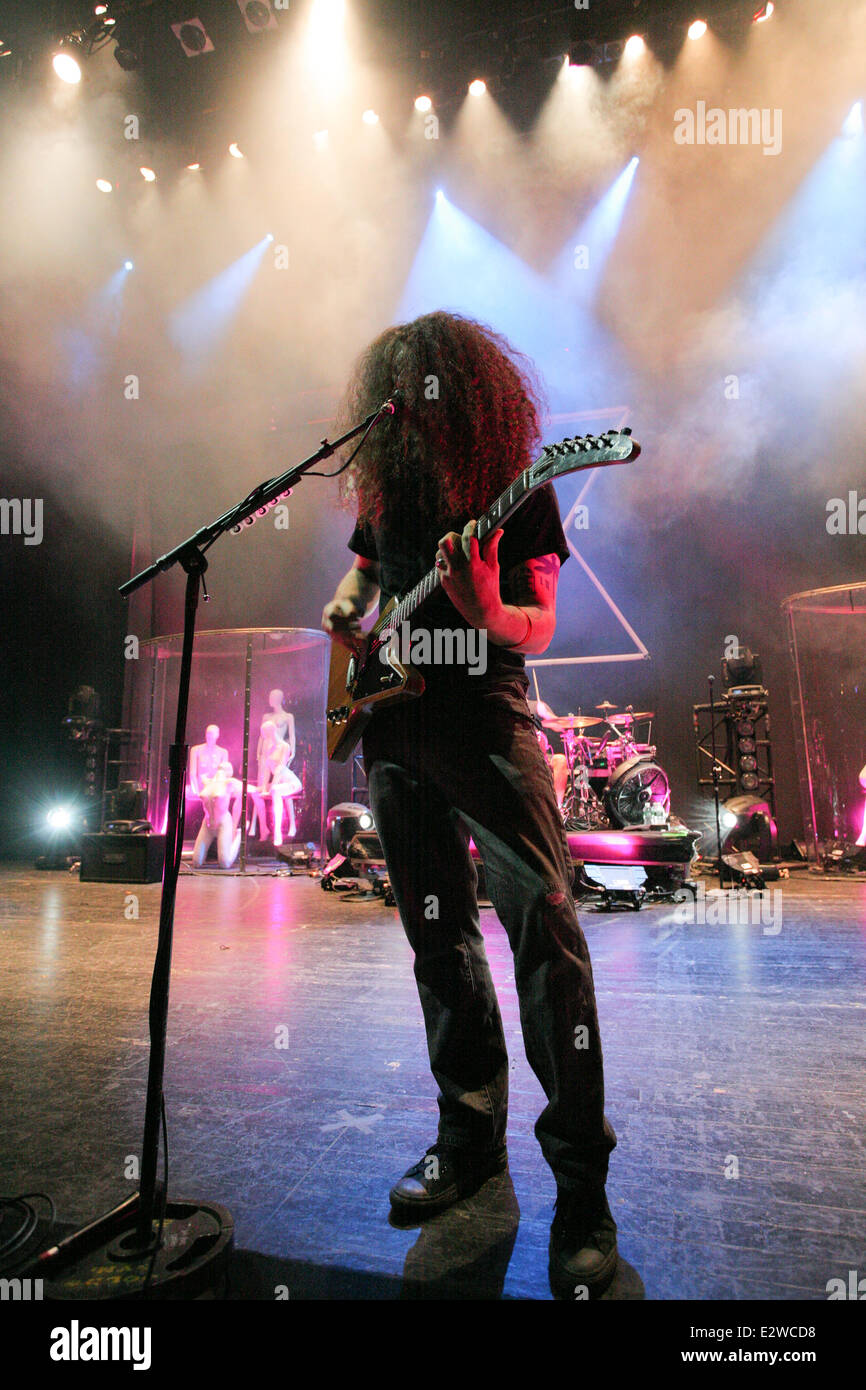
{"x":358,"y":686}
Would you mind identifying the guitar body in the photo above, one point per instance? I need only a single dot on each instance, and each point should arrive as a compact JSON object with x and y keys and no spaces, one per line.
{"x":356,"y":689}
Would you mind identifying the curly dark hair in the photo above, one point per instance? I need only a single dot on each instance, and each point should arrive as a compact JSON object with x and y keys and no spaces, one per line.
{"x":466,"y":426}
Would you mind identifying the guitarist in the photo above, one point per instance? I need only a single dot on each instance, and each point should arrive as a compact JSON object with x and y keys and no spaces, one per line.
{"x":463,"y":759}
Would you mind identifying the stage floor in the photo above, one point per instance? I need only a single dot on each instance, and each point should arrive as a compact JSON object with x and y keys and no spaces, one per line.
{"x":297,"y":1086}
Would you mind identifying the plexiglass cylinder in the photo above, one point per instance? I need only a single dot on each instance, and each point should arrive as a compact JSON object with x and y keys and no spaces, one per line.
{"x":257,"y":702}
{"x":827,"y":639}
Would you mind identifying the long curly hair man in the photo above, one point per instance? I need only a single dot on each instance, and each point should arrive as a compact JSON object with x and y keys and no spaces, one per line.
{"x":466,"y":394}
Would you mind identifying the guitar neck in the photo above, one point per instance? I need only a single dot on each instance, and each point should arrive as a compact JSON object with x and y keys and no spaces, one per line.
{"x":505,"y":505}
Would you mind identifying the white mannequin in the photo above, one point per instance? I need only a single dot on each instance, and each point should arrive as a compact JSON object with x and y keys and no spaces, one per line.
{"x":216,"y":794}
{"x":861,"y":839}
{"x":276,"y":780}
{"x":205,"y":758}
{"x":284,"y":723}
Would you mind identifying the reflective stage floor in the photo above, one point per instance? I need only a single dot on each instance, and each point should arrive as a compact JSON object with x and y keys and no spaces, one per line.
{"x":297,"y":1086}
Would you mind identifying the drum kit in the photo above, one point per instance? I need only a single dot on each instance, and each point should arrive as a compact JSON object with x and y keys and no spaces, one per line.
{"x":606,"y":778}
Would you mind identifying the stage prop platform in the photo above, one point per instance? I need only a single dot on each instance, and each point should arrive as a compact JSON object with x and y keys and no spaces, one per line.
{"x":626,"y":867}
{"x":827,"y":644}
{"x":237,"y":676}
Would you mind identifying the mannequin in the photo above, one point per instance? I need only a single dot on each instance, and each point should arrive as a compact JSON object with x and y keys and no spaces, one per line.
{"x":276,"y":780}
{"x":216,"y":795}
{"x":205,"y":758}
{"x":284,"y":723}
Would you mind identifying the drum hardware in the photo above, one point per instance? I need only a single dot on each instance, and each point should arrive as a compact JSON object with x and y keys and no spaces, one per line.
{"x":581,"y":807}
{"x":638,"y":793}
{"x":629,"y":718}
{"x":613,"y":780}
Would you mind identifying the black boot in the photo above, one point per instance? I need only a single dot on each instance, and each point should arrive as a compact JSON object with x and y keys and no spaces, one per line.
{"x":442,"y":1177}
{"x":583,"y":1254}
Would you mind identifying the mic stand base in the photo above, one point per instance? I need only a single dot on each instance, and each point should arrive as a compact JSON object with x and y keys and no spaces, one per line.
{"x":191,"y":1260}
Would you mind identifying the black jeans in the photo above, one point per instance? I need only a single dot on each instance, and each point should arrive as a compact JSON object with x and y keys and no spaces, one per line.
{"x":440,"y":769}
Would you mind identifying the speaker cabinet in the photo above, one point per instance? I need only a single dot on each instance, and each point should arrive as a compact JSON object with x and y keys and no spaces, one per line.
{"x":122,"y":858}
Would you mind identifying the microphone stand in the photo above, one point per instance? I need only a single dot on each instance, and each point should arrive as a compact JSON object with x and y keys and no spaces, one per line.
{"x":716,"y":774}
{"x":202,"y":1234}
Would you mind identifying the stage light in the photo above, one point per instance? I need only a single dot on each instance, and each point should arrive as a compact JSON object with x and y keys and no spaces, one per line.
{"x":257,"y":15}
{"x":325,"y":14}
{"x":192,"y":37}
{"x":147,"y":174}
{"x":423,"y":104}
{"x":269,"y":236}
{"x":103,"y":185}
{"x":582,"y":55}
{"x":320,"y":139}
{"x":100,"y":9}
{"x":697,"y":29}
{"x":193,"y":168}
{"x":743,"y":672}
{"x":477,"y":87}
{"x":634,"y":46}
{"x":66,"y":67}
{"x":370,"y":118}
{"x":853,"y":124}
{"x":127,"y":265}
{"x":59,"y":818}
{"x":747,"y":825}
{"x":763,"y":12}
{"x":343,"y":823}
{"x":235,"y":151}
{"x":126,"y":58}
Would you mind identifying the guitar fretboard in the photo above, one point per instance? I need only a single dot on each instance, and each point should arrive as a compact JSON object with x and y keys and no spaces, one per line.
{"x":506,"y":503}
{"x":568,"y":456}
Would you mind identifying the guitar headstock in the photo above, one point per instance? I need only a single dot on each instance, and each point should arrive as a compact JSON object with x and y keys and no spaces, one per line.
{"x":583,"y":451}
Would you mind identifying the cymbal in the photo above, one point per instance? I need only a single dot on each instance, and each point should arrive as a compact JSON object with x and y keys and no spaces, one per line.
{"x":631,"y":718}
{"x":572,"y":721}
{"x":606,"y":705}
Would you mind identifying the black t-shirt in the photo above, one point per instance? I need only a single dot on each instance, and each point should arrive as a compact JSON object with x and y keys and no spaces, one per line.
{"x":455,"y":656}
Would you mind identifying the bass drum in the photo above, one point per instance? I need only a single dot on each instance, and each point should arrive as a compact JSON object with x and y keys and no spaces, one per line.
{"x":638,"y":793}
